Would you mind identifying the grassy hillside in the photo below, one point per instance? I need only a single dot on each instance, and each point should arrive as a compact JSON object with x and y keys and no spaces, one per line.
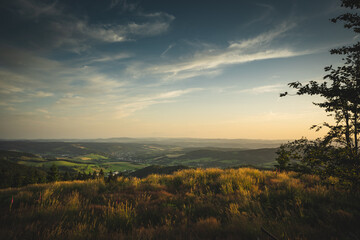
{"x":189,"y":204}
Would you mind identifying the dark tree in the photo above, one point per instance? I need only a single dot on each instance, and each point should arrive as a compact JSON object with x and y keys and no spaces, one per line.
{"x":66,"y":176}
{"x":53,"y":174}
{"x":283,"y":158}
{"x":341,"y":91}
{"x":101,"y":174}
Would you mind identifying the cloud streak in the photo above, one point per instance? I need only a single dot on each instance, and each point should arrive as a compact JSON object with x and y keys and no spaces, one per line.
{"x":264,"y":89}
{"x":237,"y":52}
{"x":268,"y":10}
{"x":78,"y":32}
{"x":167,"y":49}
{"x":127,"y":109}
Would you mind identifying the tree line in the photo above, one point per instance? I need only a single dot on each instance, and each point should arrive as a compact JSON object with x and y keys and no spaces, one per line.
{"x":16,"y":175}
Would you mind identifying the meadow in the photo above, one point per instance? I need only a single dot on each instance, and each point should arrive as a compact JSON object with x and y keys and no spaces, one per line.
{"x":188,"y":204}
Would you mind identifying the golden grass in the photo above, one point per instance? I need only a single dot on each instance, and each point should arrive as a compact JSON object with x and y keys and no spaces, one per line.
{"x":189,"y":204}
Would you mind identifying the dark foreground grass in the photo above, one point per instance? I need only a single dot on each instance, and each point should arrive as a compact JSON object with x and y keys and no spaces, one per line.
{"x":190,"y":204}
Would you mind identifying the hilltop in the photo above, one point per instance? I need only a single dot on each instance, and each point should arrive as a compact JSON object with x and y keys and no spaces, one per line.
{"x":188,"y":204}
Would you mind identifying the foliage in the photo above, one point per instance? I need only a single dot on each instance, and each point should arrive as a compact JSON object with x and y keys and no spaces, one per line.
{"x":189,"y":204}
{"x":16,"y":175}
{"x":53,"y":174}
{"x":336,"y":154}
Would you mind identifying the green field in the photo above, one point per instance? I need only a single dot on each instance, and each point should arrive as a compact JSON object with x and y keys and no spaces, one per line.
{"x":62,"y":165}
{"x":122,"y":166}
{"x":92,"y":156}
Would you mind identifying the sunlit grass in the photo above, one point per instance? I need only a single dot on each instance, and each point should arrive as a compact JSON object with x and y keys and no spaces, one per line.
{"x":189,"y":204}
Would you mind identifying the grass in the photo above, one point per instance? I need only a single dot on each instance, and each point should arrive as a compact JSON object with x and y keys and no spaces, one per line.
{"x":48,"y":164}
{"x":92,"y":157}
{"x":189,"y":204}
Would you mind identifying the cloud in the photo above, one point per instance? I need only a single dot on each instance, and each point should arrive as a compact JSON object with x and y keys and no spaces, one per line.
{"x":98,"y":83}
{"x":110,"y":58}
{"x":10,"y":89}
{"x":174,"y":94}
{"x":12,"y":109}
{"x":167,"y":49}
{"x":226,"y":58}
{"x":121,"y":32}
{"x":52,"y":27}
{"x":237,"y":52}
{"x":81,"y":34}
{"x":36,"y":9}
{"x":263,"y":39}
{"x":126,"y":109}
{"x":124,"y":5}
{"x":268,"y":10}
{"x":23,"y":59}
{"x":264,"y":89}
{"x":41,"y":94}
{"x":116,"y":32}
{"x":71,"y":98}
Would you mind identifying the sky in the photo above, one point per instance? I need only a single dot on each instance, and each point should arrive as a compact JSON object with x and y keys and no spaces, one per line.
{"x":202,"y":69}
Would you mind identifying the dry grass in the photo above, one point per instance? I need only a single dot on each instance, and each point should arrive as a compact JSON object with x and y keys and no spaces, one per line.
{"x":189,"y":204}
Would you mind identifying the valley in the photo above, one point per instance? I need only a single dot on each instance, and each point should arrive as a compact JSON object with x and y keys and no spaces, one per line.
{"x":130,"y":155}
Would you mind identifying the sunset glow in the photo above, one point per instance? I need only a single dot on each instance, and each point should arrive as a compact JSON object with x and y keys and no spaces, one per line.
{"x":99,"y":69}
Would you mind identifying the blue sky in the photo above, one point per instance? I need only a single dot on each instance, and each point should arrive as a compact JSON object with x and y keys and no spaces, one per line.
{"x":209,"y":69}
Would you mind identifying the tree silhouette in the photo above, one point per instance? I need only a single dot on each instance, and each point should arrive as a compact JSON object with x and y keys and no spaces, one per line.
{"x":101,"y":174}
{"x":53,"y":174}
{"x":341,"y":91}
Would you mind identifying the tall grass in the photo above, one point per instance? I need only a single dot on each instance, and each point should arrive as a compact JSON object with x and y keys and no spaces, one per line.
{"x":189,"y":204}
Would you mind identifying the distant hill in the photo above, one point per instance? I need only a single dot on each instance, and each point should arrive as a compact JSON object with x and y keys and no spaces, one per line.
{"x":223,"y":158}
{"x":116,"y":156}
{"x":67,"y":148}
{"x":15,"y":175}
{"x":15,"y":154}
{"x":181,"y":142}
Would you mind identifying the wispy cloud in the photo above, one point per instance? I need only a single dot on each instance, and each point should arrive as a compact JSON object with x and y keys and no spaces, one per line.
{"x":237,"y":52}
{"x":110,"y":58}
{"x":10,"y":89}
{"x":126,"y":109}
{"x":71,"y":99}
{"x":12,"y":109}
{"x":268,"y":11}
{"x":122,"y":32}
{"x":265,"y":89}
{"x":263,"y":39}
{"x":167,"y":49}
{"x":77,"y":32}
{"x":41,"y":94}
{"x":36,"y":9}
{"x":41,"y":110}
{"x":124,"y":5}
